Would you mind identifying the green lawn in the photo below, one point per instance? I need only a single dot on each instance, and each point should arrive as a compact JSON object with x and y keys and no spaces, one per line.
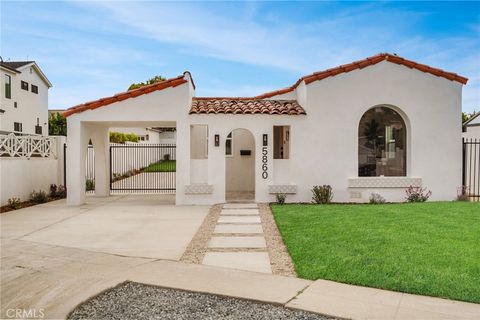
{"x":162,"y":166}
{"x":428,"y":248}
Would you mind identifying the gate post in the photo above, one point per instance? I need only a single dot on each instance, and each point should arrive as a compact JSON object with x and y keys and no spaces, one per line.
{"x":101,"y":146}
{"x":464,"y":159}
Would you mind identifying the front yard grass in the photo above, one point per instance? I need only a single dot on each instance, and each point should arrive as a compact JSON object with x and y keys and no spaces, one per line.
{"x":428,"y":248}
{"x":162,"y":166}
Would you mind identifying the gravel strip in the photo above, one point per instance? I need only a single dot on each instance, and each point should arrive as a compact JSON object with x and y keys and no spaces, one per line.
{"x":131,"y":300}
{"x":198,"y":246}
{"x":280,"y":260}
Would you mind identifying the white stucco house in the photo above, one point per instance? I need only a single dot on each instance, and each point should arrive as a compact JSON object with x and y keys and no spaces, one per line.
{"x":376,"y":125}
{"x":24,"y":104}
{"x":471,"y":128}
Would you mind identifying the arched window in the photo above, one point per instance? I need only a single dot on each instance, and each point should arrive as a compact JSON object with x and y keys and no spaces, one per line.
{"x":382,"y":147}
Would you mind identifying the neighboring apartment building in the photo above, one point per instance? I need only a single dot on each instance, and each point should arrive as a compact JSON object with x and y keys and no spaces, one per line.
{"x":24,"y":104}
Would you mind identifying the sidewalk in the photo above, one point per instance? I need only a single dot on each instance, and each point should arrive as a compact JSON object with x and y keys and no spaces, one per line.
{"x":58,"y":279}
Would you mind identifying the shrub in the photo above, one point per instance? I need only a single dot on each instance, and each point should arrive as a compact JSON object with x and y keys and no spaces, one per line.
{"x":462,"y":194}
{"x":61,"y":192}
{"x":417,"y":194}
{"x":14,"y":203}
{"x":119,"y":137}
{"x":281,"y":197}
{"x":322,"y":194}
{"x":90,"y":185}
{"x":53,"y":190}
{"x":376,"y":198}
{"x":166,"y":157}
{"x":38,"y":196}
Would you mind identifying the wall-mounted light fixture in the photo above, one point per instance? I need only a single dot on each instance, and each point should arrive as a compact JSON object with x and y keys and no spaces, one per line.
{"x":217,"y":140}
{"x":265,"y":140}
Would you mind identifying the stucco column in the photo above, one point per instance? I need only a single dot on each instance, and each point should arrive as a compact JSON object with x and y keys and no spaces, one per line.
{"x":183,"y":160}
{"x":101,"y":144}
{"x":77,"y":141}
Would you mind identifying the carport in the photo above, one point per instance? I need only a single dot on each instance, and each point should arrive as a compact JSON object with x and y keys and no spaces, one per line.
{"x":163,"y":104}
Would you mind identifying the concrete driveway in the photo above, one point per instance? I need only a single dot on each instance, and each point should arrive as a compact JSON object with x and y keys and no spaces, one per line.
{"x":133,"y":226}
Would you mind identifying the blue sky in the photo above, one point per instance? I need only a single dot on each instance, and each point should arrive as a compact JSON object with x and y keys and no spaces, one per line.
{"x":94,"y":49}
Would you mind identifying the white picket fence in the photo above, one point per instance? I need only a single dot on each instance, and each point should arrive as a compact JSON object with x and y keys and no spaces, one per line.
{"x":27,"y":146}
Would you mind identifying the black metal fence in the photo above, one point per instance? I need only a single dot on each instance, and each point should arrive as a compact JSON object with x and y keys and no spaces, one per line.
{"x":143,"y":167}
{"x":134,"y":168}
{"x":471,"y":168}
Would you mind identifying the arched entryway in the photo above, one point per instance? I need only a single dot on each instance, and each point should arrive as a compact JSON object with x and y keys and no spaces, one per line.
{"x":240,"y":166}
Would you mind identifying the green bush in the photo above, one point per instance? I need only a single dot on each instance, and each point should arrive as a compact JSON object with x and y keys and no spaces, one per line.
{"x":119,"y":137}
{"x":90,"y":185}
{"x":14,"y":203}
{"x":417,"y":194}
{"x":322,"y":194}
{"x":57,"y":191}
{"x":281,"y":197}
{"x":166,"y":157}
{"x":38,"y":196}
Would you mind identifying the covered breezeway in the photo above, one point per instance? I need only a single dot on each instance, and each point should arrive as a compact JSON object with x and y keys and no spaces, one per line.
{"x":120,"y":168}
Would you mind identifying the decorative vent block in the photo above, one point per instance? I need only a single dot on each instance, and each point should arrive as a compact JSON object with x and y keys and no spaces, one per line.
{"x":283,"y":188}
{"x":198,"y":188}
{"x":384,"y":182}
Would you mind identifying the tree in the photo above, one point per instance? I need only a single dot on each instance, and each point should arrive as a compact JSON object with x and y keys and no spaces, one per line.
{"x":57,"y":125}
{"x":149,"y":81}
{"x":118,"y":137}
{"x":467,"y":116}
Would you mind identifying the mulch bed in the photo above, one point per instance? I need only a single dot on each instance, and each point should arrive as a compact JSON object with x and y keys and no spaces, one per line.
{"x":25,"y":204}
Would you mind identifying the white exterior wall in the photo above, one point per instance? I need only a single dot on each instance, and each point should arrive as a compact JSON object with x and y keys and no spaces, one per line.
{"x":30,"y":106}
{"x":20,"y":176}
{"x":323,"y":144}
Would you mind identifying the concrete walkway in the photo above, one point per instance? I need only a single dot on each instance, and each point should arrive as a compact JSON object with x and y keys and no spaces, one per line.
{"x":238,"y":241}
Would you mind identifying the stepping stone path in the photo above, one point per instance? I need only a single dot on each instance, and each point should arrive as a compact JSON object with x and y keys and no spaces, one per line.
{"x":238,"y":241}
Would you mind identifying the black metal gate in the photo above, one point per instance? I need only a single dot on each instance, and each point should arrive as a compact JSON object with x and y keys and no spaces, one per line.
{"x":471,"y":168}
{"x":143,"y":167}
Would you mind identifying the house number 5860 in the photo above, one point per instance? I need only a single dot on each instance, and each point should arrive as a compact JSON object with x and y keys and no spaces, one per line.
{"x":264,"y":163}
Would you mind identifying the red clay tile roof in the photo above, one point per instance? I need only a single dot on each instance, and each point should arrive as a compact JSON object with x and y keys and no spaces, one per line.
{"x":245,"y":106}
{"x":173,"y":82}
{"x":362,"y":64}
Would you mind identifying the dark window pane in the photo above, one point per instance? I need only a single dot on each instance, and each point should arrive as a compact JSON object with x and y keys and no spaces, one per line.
{"x":281,"y":143}
{"x":381,"y":144}
{"x":17,"y":126}
{"x":34,"y":89}
{"x":228,"y":147}
{"x":38,"y":129}
{"x":24,"y":85}
{"x":8,"y":86}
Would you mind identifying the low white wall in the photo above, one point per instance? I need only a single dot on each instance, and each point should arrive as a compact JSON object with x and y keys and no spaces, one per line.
{"x":20,"y":176}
